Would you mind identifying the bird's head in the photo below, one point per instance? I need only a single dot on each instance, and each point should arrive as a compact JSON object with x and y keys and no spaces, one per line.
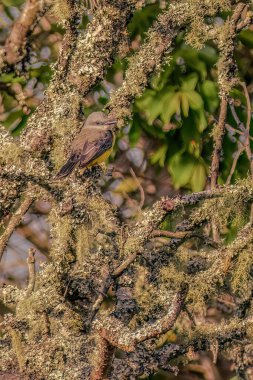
{"x":100,"y":119}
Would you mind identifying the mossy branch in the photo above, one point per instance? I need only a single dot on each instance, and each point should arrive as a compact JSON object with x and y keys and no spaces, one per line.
{"x":14,"y":49}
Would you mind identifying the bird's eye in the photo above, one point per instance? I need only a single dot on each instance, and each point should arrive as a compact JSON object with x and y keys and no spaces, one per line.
{"x":97,"y":122}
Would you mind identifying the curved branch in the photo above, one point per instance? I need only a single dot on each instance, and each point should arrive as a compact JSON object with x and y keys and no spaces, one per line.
{"x":120,"y":336}
{"x":14,"y":48}
{"x":14,"y":222}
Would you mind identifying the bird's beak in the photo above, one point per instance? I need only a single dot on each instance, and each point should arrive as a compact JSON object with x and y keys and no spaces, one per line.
{"x":111,"y":122}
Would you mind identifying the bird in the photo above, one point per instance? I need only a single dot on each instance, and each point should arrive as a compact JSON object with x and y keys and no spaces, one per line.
{"x":92,"y":146}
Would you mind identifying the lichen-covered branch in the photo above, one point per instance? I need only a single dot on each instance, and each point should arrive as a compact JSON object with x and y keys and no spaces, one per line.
{"x":121,"y":337}
{"x":94,"y":51}
{"x":15,"y":221}
{"x":113,"y":333}
{"x":219,"y":134}
{"x":14,"y":48}
{"x":31,"y":270}
{"x":200,"y":339}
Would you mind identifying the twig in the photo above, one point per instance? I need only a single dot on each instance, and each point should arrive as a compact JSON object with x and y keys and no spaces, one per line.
{"x":104,"y":356}
{"x":242,"y":133}
{"x":221,"y":127}
{"x":247,"y":143}
{"x":246,"y":22}
{"x":31,"y":271}
{"x":184,"y":235}
{"x":171,"y":234}
{"x":106,"y":283}
{"x":236,"y":157}
{"x":140,"y":188}
{"x":236,"y":118}
{"x":248,"y":105}
{"x":124,"y":265}
{"x":225,"y":76}
{"x":14,"y":222}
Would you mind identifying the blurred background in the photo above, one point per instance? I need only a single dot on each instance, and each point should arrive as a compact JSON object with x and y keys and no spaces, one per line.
{"x":165,"y":149}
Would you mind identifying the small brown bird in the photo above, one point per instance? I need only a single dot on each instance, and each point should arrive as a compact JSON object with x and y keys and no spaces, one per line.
{"x":92,"y":146}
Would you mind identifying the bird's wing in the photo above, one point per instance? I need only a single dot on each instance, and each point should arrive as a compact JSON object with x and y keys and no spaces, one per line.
{"x":93,"y":148}
{"x":86,"y":148}
{"x":69,"y":166}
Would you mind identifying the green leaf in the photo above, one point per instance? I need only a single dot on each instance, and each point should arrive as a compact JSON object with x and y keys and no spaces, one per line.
{"x":11,"y":78}
{"x":160,"y":80}
{"x":143,"y":19}
{"x":152,"y":104}
{"x":195,"y":100}
{"x":246,"y":37}
{"x":181,"y":167}
{"x":201,"y":120}
{"x":198,"y":179}
{"x":210,"y":94}
{"x":159,"y":156}
{"x":237,"y":94}
{"x":127,"y":185}
{"x":14,"y":117}
{"x":135,"y":131}
{"x":189,"y":82}
{"x":17,"y":130}
{"x":209,"y":55}
{"x":192,"y":60}
{"x":185,"y":104}
{"x":14,"y":3}
{"x":171,"y":105}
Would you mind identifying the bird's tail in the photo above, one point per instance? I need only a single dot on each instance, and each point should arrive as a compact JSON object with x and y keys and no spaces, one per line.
{"x":67,"y":169}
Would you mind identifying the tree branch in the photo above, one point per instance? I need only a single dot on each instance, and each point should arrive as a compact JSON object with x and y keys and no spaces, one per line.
{"x":219,"y":134}
{"x":14,"y":48}
{"x":14,"y":222}
{"x":120,"y":336}
{"x":31,"y":271}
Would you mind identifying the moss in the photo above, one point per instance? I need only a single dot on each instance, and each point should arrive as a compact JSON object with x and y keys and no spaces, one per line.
{"x":241,"y":280}
{"x":62,"y":9}
{"x":18,"y":348}
{"x":82,"y":243}
{"x":10,"y":153}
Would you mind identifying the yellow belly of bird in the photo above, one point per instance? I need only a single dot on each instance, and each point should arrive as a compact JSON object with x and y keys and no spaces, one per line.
{"x":99,"y":159}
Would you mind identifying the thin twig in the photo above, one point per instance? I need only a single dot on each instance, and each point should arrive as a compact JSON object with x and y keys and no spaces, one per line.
{"x":225,"y":74}
{"x":184,"y":235}
{"x":236,"y":118}
{"x":140,"y":188}
{"x":247,"y":143}
{"x":239,"y":151}
{"x":14,"y":222}
{"x":215,"y":165}
{"x":104,"y":357}
{"x":221,"y":127}
{"x":171,"y":234}
{"x":248,"y":19}
{"x":31,"y":270}
{"x":241,"y":133}
{"x":248,"y":105}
